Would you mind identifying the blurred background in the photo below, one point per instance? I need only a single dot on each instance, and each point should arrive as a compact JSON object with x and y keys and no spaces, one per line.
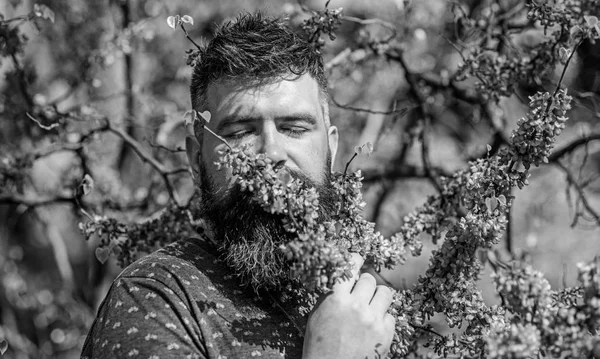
{"x":74,"y":64}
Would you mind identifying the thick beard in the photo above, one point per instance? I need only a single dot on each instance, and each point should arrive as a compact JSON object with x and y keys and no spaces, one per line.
{"x":249,"y":237}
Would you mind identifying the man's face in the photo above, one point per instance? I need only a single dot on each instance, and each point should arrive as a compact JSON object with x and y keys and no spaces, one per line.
{"x":283,"y":119}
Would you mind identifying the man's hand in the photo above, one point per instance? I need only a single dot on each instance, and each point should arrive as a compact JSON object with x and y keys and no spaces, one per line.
{"x":351,"y":321}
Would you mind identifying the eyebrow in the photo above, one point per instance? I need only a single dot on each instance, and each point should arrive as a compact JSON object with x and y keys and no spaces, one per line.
{"x":235,"y":120}
{"x":300,"y":117}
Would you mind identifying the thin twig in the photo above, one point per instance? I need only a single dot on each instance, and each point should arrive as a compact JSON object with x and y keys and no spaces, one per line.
{"x":374,"y":21}
{"x":567,"y":149}
{"x":564,"y":71}
{"x":348,"y":163}
{"x":393,"y":111}
{"x":189,"y":38}
{"x":22,"y":81}
{"x":144,"y":156}
{"x":425,"y":116}
{"x":400,"y":171}
{"x":47,"y":128}
{"x":582,"y":197}
{"x":34,"y":202}
{"x":159,"y":146}
{"x":217,"y":136}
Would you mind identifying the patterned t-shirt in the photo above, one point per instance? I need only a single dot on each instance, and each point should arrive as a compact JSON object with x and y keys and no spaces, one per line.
{"x":183,"y":302}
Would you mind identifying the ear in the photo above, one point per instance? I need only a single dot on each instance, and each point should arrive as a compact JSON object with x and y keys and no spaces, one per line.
{"x":192,"y":149}
{"x":333,"y":143}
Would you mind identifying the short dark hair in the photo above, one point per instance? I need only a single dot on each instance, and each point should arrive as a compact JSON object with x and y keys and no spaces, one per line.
{"x":255,"y":49}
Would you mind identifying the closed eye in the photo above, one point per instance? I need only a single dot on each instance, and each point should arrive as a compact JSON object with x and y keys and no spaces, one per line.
{"x":294,"y":131}
{"x":237,"y":135}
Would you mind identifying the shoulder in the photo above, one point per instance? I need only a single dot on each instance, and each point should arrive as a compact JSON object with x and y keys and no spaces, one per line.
{"x":177,"y":260}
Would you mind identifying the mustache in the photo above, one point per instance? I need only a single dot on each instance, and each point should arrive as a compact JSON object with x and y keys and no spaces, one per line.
{"x":236,"y":197}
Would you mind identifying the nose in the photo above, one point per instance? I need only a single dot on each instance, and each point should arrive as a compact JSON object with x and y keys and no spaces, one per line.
{"x":273,"y":147}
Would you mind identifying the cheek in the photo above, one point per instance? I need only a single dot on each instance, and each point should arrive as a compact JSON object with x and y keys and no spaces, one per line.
{"x":313,"y":161}
{"x":218,"y":178}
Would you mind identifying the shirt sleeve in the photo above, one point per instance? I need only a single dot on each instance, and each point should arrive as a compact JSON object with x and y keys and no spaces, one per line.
{"x":143,"y":318}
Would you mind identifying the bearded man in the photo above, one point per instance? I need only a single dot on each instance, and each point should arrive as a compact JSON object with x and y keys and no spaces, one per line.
{"x":221,"y":295}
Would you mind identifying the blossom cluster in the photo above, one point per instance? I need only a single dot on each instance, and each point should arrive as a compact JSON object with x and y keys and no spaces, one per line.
{"x":322,"y":22}
{"x":320,"y":254}
{"x":499,"y":69}
{"x":315,"y":259}
{"x":498,"y":74}
{"x":543,"y":320}
{"x":470,"y":215}
{"x":127,"y":241}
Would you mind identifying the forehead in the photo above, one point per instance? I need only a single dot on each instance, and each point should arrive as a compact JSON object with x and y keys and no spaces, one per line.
{"x":281,"y":97}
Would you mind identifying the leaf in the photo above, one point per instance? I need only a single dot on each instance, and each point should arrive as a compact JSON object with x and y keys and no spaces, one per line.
{"x":3,"y":346}
{"x":489,"y":148}
{"x":102,"y":254}
{"x":206,"y":116}
{"x":285,"y":178}
{"x":43,"y":11}
{"x":358,"y":150}
{"x":502,"y":199}
{"x":189,"y":117}
{"x":563,"y":54}
{"x":591,"y":20}
{"x":574,"y":31}
{"x":187,"y":19}
{"x":518,"y":166}
{"x":491,"y":203}
{"x":87,"y":184}
{"x":173,"y":21}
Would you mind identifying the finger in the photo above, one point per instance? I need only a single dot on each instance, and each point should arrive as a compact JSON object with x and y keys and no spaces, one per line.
{"x":364,"y":288}
{"x":345,"y":285}
{"x":389,"y":323}
{"x":382,"y":299}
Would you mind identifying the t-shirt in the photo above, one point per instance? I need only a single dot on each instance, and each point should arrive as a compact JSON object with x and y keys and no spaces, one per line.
{"x":182,"y":301}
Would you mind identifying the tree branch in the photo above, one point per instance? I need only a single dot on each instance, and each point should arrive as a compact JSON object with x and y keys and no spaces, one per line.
{"x":400,"y":171}
{"x":146,"y":157}
{"x":393,"y":111}
{"x":573,"y":146}
{"x":34,"y":202}
{"x":571,"y":181}
{"x":425,"y":115}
